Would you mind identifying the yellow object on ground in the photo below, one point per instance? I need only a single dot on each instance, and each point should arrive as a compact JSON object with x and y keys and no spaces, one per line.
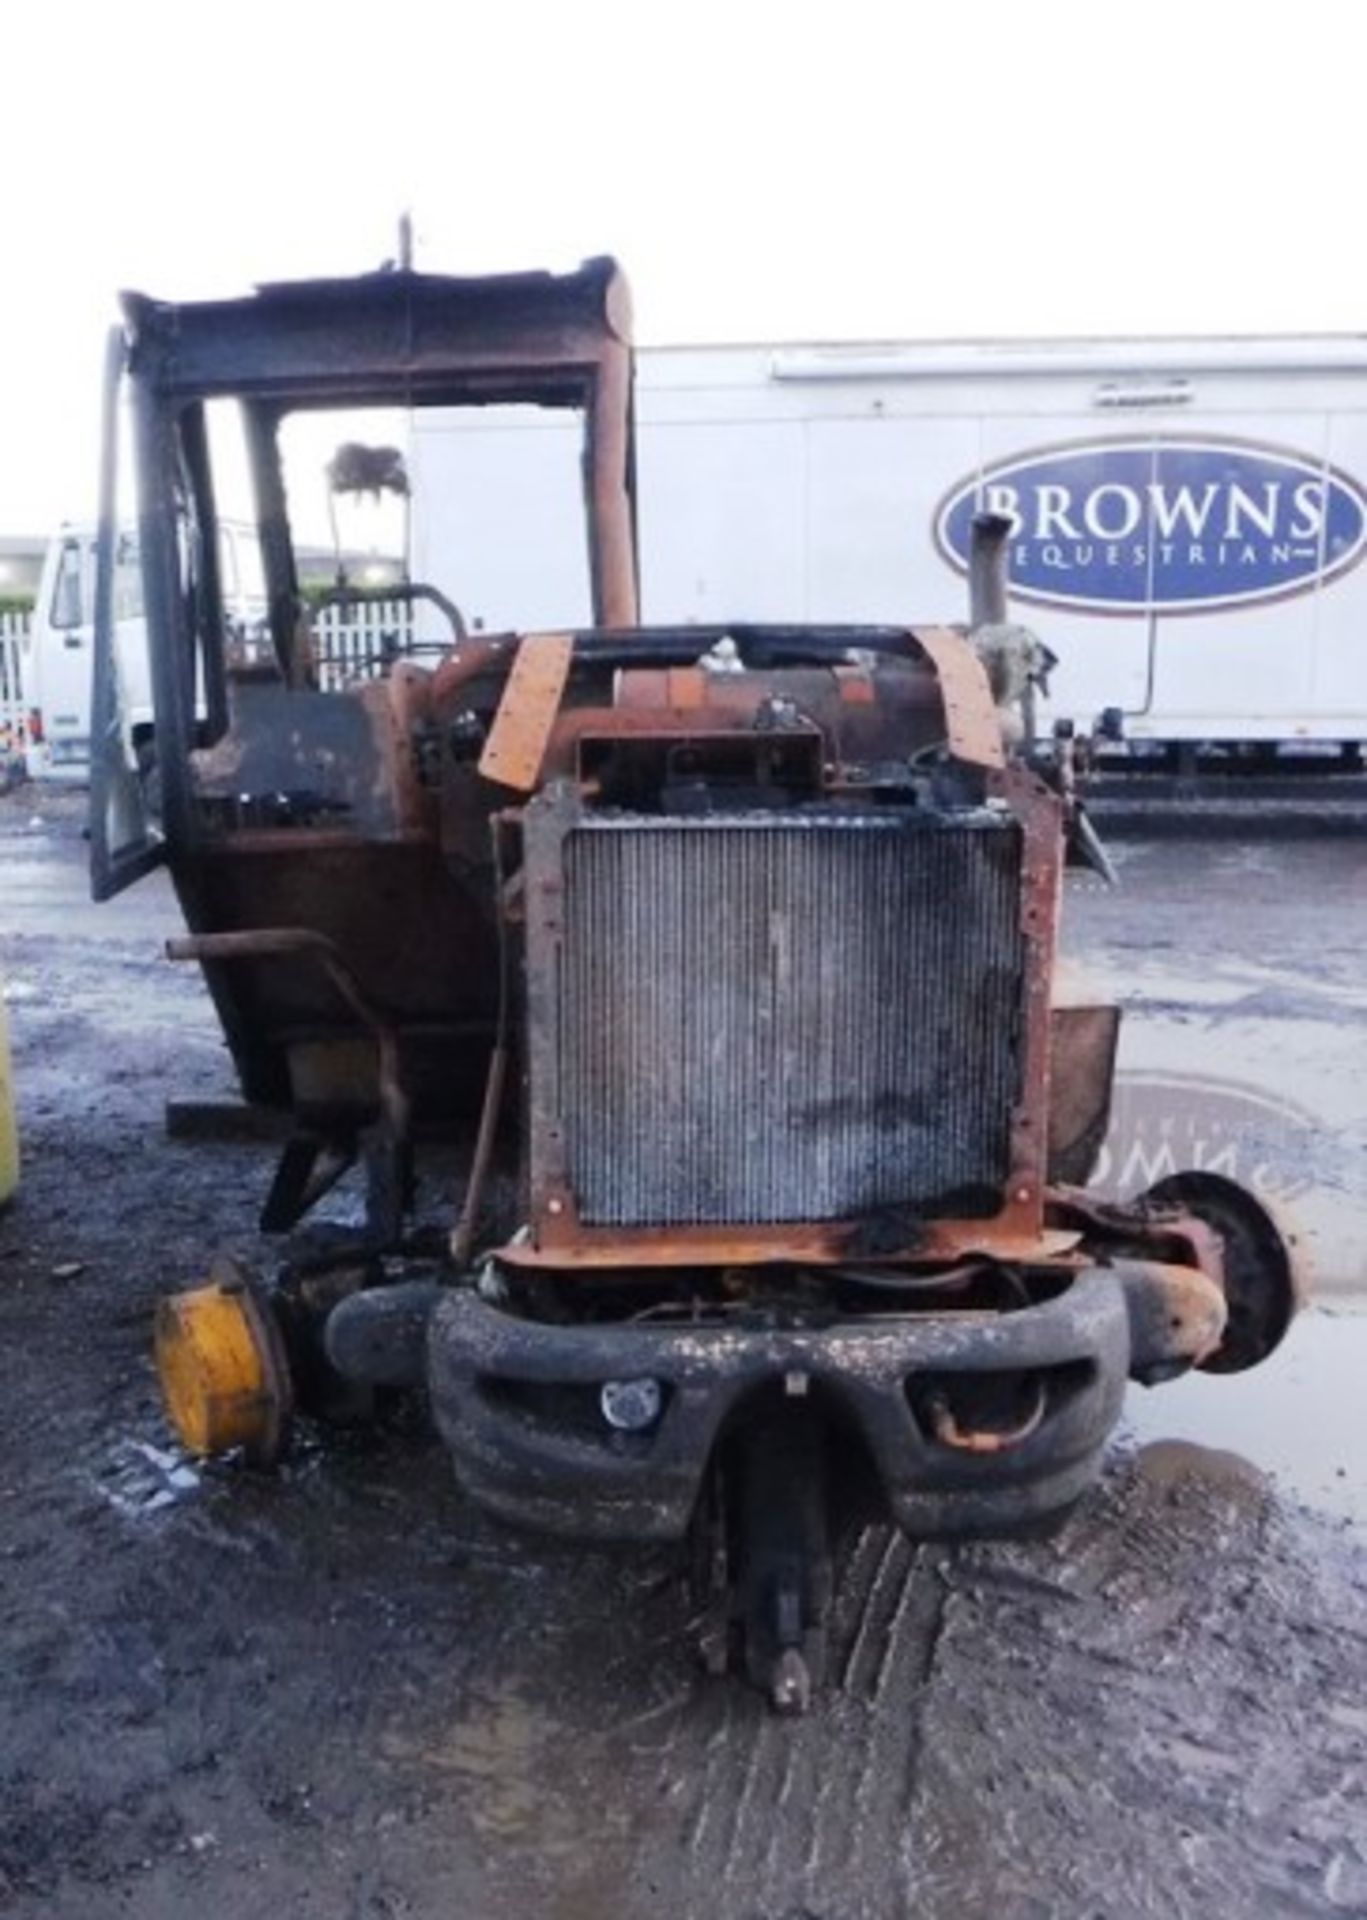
{"x":9,"y":1122}
{"x":223,"y":1373}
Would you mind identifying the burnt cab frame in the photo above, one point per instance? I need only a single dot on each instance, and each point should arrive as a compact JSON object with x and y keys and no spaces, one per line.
{"x":395,"y":338}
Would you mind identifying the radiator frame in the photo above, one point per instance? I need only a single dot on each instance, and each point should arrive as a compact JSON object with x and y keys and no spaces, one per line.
{"x":561,"y":1239}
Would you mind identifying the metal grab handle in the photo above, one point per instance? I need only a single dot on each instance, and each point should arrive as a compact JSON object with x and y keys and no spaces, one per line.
{"x":264,"y":943}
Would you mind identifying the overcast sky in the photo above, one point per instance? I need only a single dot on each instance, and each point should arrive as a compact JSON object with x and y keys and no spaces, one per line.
{"x":764,"y":172}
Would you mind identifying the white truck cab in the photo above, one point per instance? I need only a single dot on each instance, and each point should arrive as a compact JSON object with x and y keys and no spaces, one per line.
{"x":58,"y":653}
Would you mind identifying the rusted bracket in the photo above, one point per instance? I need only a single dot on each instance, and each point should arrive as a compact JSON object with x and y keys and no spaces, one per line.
{"x":309,"y":1165}
{"x":972,"y":726}
{"x":265,"y":943}
{"x":516,"y":748}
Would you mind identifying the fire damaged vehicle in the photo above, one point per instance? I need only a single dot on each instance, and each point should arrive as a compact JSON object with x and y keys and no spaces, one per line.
{"x":719,"y":963}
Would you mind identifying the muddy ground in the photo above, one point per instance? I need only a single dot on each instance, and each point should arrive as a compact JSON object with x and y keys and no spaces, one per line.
{"x":338,"y":1692}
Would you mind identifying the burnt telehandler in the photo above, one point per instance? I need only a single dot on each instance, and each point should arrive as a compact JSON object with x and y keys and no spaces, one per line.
{"x":727,"y":957}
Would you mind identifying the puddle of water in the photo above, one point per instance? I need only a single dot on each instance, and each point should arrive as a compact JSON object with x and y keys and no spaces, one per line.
{"x":508,"y":1759}
{"x":1298,"y":1417}
{"x":1274,"y":1104}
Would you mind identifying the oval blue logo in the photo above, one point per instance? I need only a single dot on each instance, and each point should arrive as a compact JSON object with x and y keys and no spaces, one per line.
{"x":1186,"y":523}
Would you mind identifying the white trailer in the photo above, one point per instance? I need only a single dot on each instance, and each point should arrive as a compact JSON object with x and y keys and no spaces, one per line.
{"x":1190,"y":516}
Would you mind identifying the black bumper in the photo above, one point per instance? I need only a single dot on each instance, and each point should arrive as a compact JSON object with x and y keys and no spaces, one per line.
{"x":516,"y":1403}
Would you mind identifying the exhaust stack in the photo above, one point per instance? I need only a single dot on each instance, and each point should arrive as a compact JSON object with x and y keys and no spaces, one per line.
{"x":987,"y":570}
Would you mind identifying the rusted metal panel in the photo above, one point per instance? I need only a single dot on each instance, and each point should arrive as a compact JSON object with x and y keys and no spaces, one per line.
{"x":307,"y":943}
{"x":566,"y":1247}
{"x":393,"y":909}
{"x":515,"y":750}
{"x":972,"y":725}
{"x":1082,"y":1052}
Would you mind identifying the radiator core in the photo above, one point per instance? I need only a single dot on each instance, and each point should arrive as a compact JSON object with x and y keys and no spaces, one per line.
{"x":787,"y":1017}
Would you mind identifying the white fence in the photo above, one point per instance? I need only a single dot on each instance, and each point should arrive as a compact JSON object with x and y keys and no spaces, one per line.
{"x":13,"y":629}
{"x":359,"y":642}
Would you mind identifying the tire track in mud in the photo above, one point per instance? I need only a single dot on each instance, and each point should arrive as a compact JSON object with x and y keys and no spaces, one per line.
{"x":790,"y":1815}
